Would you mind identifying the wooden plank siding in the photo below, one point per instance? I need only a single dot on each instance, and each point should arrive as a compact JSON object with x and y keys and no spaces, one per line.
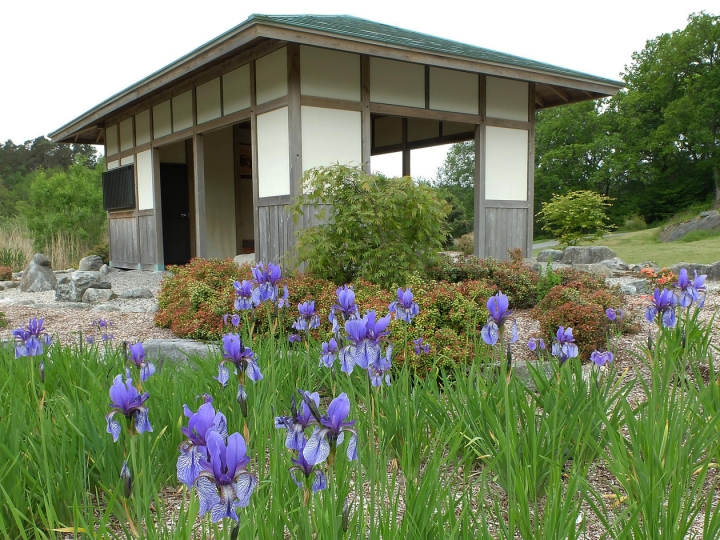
{"x":148,"y":241}
{"x":505,"y":228}
{"x":123,"y":237}
{"x":276,"y":228}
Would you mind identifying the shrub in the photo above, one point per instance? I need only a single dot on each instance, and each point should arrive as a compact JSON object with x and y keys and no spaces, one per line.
{"x":5,"y":273}
{"x":466,"y":244}
{"x":372,"y":227}
{"x":3,"y":320}
{"x":579,"y":215}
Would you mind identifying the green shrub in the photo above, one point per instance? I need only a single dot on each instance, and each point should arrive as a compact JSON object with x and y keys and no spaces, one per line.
{"x":579,"y":215}
{"x":12,"y":257}
{"x":702,"y":234}
{"x":101,"y":250}
{"x":372,"y":227}
{"x":634,"y":222}
{"x":466,"y":244}
{"x":547,"y":280}
{"x":3,"y":320}
{"x":5,"y":273}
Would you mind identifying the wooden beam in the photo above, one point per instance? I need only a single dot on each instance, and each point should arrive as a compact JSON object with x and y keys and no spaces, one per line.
{"x":560,"y":92}
{"x":331,"y":103}
{"x":539,"y":100}
{"x":295,"y":136}
{"x":425,"y":143}
{"x":416,"y":112}
{"x":200,"y":212}
{"x":512,"y":124}
{"x":365,"y":117}
{"x":271,"y":105}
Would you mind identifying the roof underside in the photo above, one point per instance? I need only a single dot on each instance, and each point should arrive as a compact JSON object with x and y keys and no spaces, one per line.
{"x":553,"y":85}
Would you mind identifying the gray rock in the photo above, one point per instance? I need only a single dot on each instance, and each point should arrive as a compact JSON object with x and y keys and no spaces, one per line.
{"x":4,"y":285}
{"x":72,"y":287}
{"x":69,"y":305}
{"x":64,"y":290}
{"x":104,"y":269}
{"x":245,"y":258}
{"x":586,"y":254}
{"x":628,"y":289}
{"x":705,"y":221}
{"x":38,"y":276}
{"x":616,"y":264}
{"x":532,"y":264}
{"x":98,"y":296}
{"x":709,"y":213}
{"x":595,"y":269}
{"x":16,"y":302}
{"x":546,"y":254}
{"x":91,"y":263}
{"x":106,"y":307}
{"x":133,"y":309}
{"x":153,"y":308}
{"x":178,"y":349}
{"x":712,"y":271}
{"x":136,"y":293}
{"x":641,"y":286}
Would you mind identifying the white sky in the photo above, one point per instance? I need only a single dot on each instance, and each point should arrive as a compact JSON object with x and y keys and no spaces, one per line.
{"x":60,"y":58}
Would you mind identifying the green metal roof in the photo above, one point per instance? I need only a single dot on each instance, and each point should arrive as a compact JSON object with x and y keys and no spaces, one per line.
{"x":363,"y":29}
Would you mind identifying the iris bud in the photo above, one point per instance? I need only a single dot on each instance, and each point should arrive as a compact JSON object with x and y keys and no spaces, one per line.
{"x":126,"y":477}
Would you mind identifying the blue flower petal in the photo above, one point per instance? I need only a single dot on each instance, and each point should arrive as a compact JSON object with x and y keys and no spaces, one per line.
{"x":244,"y":485}
{"x":317,"y":449}
{"x":319,"y":482}
{"x":207,"y":493}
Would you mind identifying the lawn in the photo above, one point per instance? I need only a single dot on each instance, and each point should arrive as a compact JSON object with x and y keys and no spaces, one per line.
{"x":642,"y":246}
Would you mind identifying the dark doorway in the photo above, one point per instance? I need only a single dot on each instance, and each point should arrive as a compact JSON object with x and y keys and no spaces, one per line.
{"x":175,"y":213}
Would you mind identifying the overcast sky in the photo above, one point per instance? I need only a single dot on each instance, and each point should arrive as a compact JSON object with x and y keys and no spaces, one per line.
{"x":60,"y":59}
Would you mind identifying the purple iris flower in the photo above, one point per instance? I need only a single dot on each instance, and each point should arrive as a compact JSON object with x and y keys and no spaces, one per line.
{"x":308,"y":320}
{"x":404,"y":308}
{"x":294,"y":338}
{"x":614,"y":314}
{"x":564,"y":345}
{"x":234,"y":319}
{"x":126,"y":400}
{"x":498,"y":307}
{"x":267,"y":280}
{"x":244,"y":295}
{"x":104,"y":325}
{"x":421,"y":348}
{"x":365,"y":333}
{"x":29,"y":341}
{"x":345,"y":308}
{"x":329,"y":352}
{"x":490,"y":333}
{"x":224,"y":484}
{"x":690,"y":291}
{"x":243,"y":357}
{"x":380,"y":370}
{"x":301,"y":465}
{"x":283,"y":301}
{"x":663,"y":307}
{"x":194,"y":448}
{"x":536,"y":344}
{"x":136,"y":353}
{"x":330,"y":433}
{"x":601,"y":358}
{"x":300,"y":420}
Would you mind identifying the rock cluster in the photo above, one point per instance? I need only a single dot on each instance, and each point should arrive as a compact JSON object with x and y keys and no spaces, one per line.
{"x":709,"y":220}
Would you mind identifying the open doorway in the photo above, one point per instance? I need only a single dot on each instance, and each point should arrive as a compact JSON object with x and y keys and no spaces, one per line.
{"x":175,"y":203}
{"x":244,"y":209}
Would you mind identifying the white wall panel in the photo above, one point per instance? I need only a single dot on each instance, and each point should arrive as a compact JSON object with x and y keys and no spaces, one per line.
{"x":388,"y":131}
{"x":220,"y":194}
{"x":111,"y":140}
{"x":421,"y":128}
{"x":236,"y":89}
{"x":330,"y":74}
{"x":112,"y":165}
{"x":271,"y":76}
{"x":452,"y":90}
{"x":507,"y":99}
{"x":207,"y":97}
{"x":182,"y":114}
{"x":145,"y":180}
{"x":127,"y":139}
{"x":273,"y":154}
{"x":397,"y":83}
{"x":162,"y":122}
{"x":127,"y":160}
{"x":506,"y":164}
{"x":330,"y":136}
{"x":142,"y":128}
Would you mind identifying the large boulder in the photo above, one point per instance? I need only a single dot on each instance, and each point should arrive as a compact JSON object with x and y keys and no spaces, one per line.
{"x":91,"y":263}
{"x":245,"y":258}
{"x":178,"y":349}
{"x":596,"y":269}
{"x":586,"y":254}
{"x":38,"y":276}
{"x":72,"y":287}
{"x":712,"y":271}
{"x":98,"y":296}
{"x":546,"y":255}
{"x":705,"y":221}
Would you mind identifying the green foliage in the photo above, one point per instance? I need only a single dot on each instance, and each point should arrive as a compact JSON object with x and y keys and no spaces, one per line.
{"x":458,"y":221}
{"x":457,"y":176}
{"x":579,"y":215}
{"x":376,"y":228}
{"x":102,"y":251}
{"x":547,"y":280}
{"x":634,"y":222}
{"x":67,"y":202}
{"x":3,"y":320}
{"x":5,"y":273}
{"x":12,"y":257}
{"x":701,"y":234}
{"x":466,"y":244}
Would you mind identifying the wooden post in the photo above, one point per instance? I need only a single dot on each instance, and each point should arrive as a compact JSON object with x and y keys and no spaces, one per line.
{"x":200,"y":223}
{"x":365,"y":118}
{"x":295,"y":140}
{"x":157,"y":203}
{"x":405,"y":149}
{"x":254,"y":141}
{"x":531,"y":171}
{"x":480,"y":243}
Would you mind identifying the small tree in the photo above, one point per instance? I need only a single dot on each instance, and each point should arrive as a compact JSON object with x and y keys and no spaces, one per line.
{"x":373,"y":227}
{"x":579,"y":215}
